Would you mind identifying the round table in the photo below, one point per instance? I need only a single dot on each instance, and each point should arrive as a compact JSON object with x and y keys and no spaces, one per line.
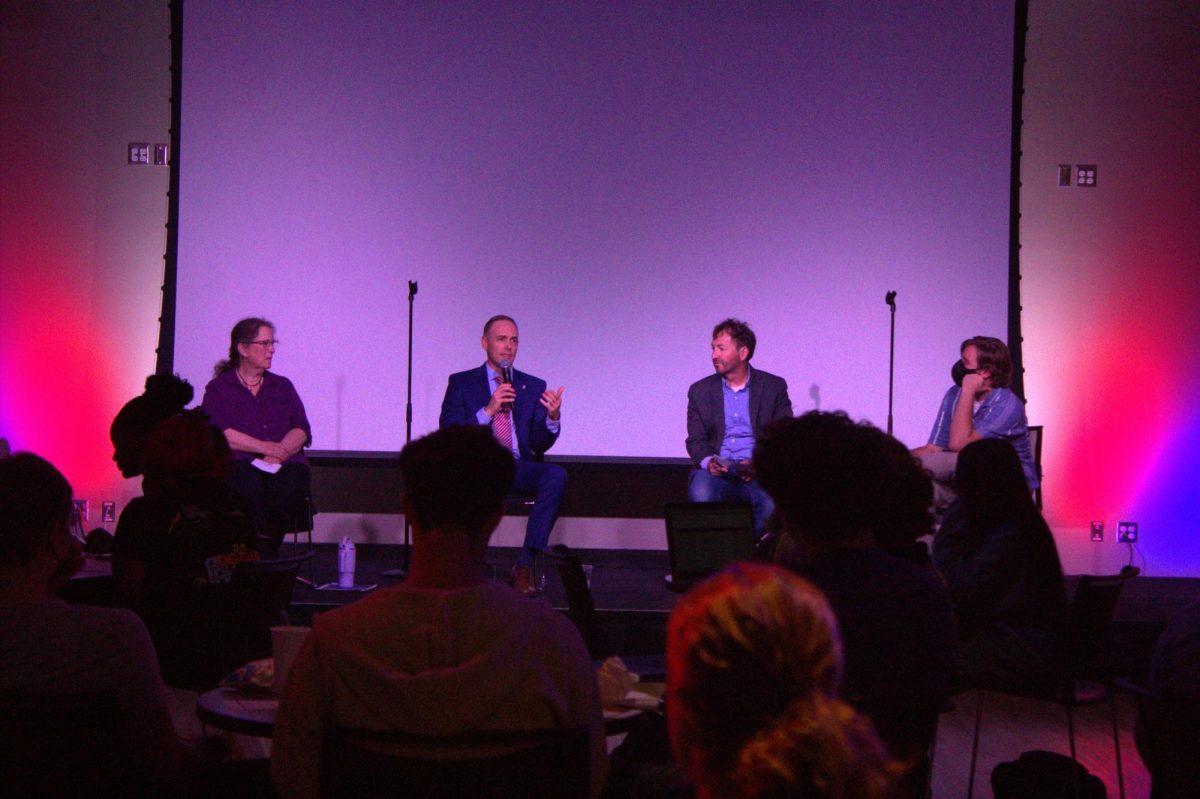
{"x":238,"y":711}
{"x":254,"y":713}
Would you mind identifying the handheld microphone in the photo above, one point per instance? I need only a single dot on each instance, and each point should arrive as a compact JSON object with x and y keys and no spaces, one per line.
{"x":506,"y":377}
{"x":890,"y":299}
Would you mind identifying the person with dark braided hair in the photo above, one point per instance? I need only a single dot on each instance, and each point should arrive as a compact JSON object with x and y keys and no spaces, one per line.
{"x":754,"y":661}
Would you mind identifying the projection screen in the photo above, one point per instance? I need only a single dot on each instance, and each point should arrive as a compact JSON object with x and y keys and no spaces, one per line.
{"x":618,"y":177}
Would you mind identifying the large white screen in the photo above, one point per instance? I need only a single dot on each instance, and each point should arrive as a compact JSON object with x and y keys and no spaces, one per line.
{"x":616,"y":176}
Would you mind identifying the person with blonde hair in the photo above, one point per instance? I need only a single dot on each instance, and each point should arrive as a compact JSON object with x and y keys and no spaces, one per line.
{"x":754,"y":661}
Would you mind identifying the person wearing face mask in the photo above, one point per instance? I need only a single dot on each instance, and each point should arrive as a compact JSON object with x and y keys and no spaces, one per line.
{"x":979,"y":405}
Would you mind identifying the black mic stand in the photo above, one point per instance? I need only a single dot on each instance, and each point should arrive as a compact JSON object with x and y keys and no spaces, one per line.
{"x":890,"y":299}
{"x":408,"y":416}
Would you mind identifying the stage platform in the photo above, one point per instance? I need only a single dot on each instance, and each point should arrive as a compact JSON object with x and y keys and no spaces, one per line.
{"x":633,"y":602}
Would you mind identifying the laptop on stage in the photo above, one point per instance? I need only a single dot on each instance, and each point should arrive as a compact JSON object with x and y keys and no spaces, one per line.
{"x":702,"y":537}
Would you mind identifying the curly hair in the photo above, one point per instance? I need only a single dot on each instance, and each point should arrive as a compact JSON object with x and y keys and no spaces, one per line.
{"x":754,"y":662}
{"x":185,"y":448}
{"x":833,"y":479}
{"x":165,"y":396}
{"x":740,"y":332}
{"x":994,"y":357}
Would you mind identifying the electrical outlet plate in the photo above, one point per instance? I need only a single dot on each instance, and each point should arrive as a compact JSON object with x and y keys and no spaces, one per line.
{"x":139,"y":152}
{"x":108,"y":511}
{"x":1127,"y":532}
{"x":81,"y":508}
{"x":1098,"y":531}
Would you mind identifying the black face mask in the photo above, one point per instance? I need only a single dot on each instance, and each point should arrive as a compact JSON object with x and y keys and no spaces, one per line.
{"x":959,"y":370}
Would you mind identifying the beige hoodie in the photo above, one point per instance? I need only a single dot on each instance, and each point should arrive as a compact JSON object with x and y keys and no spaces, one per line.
{"x":434,"y":662}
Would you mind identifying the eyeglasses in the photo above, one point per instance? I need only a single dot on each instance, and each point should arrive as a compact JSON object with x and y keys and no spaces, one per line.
{"x":266,"y":342}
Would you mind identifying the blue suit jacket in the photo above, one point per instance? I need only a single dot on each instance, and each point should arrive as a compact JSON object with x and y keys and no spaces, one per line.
{"x":469,"y":391}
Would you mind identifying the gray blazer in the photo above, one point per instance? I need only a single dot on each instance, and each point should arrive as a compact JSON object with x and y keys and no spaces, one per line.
{"x":706,"y":410}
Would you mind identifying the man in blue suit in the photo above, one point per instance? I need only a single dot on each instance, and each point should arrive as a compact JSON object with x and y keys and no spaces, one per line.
{"x":726,"y":411}
{"x":525,"y":417}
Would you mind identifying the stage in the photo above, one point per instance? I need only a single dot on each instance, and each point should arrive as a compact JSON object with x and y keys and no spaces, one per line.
{"x":633,"y":602}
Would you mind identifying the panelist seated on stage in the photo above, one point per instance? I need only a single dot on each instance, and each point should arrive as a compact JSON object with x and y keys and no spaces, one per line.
{"x":979,"y":405}
{"x":725,"y":413}
{"x":525,"y":417}
{"x":447,"y":652}
{"x":264,"y":421}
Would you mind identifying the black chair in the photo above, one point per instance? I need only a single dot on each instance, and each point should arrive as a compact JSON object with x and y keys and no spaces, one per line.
{"x":366,"y":763}
{"x":1035,"y":444}
{"x":219,"y":628}
{"x":57,"y":745}
{"x":1086,"y":676}
{"x":581,"y":609}
{"x":1167,"y":734}
{"x":301,"y":521}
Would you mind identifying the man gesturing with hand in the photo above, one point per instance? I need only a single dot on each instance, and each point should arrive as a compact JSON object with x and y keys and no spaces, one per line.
{"x":525,"y":417}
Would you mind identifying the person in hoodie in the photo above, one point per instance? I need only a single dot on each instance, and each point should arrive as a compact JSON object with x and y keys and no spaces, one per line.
{"x":446,"y":652}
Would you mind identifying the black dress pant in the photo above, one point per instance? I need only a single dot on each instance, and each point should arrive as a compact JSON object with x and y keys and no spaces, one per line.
{"x":274,"y":501}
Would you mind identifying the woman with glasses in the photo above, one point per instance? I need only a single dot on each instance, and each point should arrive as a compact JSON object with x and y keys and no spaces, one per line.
{"x":264,"y":421}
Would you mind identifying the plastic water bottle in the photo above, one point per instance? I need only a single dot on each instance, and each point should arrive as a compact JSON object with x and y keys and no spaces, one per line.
{"x":346,"y":563}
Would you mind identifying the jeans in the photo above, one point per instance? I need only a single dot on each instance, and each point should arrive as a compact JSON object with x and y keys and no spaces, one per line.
{"x":704,"y":487}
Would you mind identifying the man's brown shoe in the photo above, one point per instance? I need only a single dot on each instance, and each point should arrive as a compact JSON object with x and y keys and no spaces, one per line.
{"x":522,"y":577}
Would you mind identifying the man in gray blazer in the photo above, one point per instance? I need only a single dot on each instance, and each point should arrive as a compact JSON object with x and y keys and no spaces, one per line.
{"x":725,"y":413}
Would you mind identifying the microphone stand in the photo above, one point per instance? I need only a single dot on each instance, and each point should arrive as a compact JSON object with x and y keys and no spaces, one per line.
{"x":408,"y":417}
{"x":890,"y":299}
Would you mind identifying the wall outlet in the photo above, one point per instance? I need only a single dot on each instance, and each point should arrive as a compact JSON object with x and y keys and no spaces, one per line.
{"x":1085,"y":176}
{"x":1098,"y":531}
{"x":81,"y":508}
{"x":139,"y":152}
{"x":1127,"y":532}
{"x":108,"y":512}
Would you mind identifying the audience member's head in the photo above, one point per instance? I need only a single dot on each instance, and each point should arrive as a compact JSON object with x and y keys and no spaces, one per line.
{"x":739,"y":332}
{"x":992,"y":356}
{"x":456,"y":479}
{"x":991,"y":483}
{"x":754,"y":662}
{"x":905,"y":500}
{"x":35,"y":518}
{"x":185,"y":448}
{"x":835,"y":482}
{"x":165,"y":395}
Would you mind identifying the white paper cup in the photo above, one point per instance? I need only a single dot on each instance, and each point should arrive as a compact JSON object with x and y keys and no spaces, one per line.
{"x":285,"y":643}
